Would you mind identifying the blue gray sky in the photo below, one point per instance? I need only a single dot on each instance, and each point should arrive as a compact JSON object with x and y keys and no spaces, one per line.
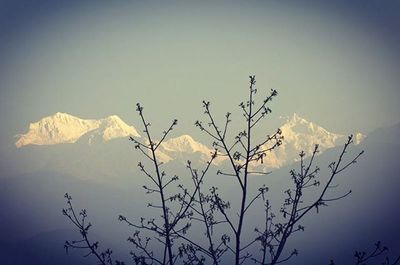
{"x":335,"y":63}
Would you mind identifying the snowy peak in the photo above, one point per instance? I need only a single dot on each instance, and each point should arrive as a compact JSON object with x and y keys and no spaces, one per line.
{"x":64,"y":128}
{"x":183,"y":148}
{"x":184,"y":143}
{"x":299,"y":135}
{"x":302,"y":135}
{"x":296,"y":118}
{"x":359,"y":137}
{"x":301,"y":125}
{"x":113,"y":127}
{"x":296,"y":126}
{"x":56,"y":129}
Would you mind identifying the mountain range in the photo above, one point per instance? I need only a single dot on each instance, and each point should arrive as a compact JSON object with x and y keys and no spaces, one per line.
{"x":33,"y":229}
{"x":62,"y":128}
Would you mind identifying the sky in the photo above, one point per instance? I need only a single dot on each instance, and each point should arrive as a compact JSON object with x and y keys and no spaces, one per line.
{"x":334,"y":63}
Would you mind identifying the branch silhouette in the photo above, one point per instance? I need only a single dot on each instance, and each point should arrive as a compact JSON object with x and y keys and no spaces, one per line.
{"x":380,"y":251}
{"x":80,"y":222}
{"x":168,"y":240}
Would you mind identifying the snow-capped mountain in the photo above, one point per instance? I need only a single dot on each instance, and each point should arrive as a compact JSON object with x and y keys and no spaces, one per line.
{"x":302,"y":135}
{"x":64,"y":128}
{"x":299,"y":135}
{"x":110,"y":128}
{"x":183,"y":148}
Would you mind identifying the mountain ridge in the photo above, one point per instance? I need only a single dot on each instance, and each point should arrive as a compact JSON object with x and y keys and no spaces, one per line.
{"x":65,"y":128}
{"x":299,"y":134}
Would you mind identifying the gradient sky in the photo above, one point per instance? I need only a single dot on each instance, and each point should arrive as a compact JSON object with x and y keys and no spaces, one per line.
{"x":333,"y":62}
{"x":336,"y":64}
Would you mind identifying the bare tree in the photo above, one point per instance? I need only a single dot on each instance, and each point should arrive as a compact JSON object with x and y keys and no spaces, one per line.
{"x":363,"y":258}
{"x":241,"y":154}
{"x":174,"y":219}
{"x":275,"y":235}
{"x":80,"y":222}
{"x":180,"y":206}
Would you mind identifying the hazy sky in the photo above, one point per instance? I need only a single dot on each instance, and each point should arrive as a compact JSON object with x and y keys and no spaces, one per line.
{"x":336,"y":64}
